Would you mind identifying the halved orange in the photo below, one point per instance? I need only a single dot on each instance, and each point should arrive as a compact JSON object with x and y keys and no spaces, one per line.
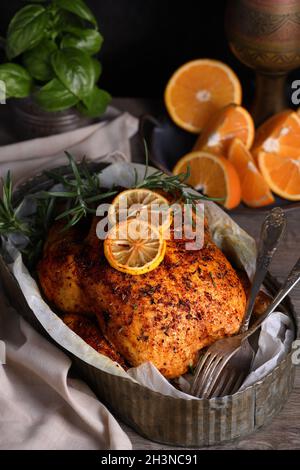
{"x":278,"y":134}
{"x":198,"y":89}
{"x":282,"y":173}
{"x":134,"y":247}
{"x":215,"y":176}
{"x":255,"y":190}
{"x":226,"y":124}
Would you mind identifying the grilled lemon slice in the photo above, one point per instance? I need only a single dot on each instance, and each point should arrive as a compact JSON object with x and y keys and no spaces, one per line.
{"x":143,"y":204}
{"x":134,"y":247}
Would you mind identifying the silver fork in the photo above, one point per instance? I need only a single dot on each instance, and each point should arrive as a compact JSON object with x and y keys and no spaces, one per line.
{"x":210,"y":366}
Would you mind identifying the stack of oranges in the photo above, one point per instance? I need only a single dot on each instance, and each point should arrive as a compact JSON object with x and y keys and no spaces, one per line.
{"x":230,"y":160}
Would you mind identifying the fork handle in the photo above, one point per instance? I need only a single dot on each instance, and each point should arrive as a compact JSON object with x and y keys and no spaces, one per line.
{"x":290,"y":282}
{"x":271,"y":233}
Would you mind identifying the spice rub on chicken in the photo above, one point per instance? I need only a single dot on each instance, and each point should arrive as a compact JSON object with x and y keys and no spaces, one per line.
{"x":89,"y":331}
{"x":164,"y":316}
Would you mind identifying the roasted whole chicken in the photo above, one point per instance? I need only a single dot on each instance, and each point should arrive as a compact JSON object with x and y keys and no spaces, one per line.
{"x":165,"y":316}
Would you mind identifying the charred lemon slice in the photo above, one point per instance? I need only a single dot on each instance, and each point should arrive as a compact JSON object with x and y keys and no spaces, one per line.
{"x":142,"y":204}
{"x":134,"y":247}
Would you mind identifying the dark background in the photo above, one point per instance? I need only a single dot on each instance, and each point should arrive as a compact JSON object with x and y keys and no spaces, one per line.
{"x":146,"y":40}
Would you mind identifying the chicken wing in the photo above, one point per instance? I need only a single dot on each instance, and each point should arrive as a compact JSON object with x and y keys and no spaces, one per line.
{"x":57,"y":270}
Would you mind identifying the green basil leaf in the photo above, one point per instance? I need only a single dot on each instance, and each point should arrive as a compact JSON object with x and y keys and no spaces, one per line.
{"x":79,"y":8}
{"x":95,"y":103}
{"x":26,"y":30}
{"x":97,"y":70}
{"x":88,"y":40}
{"x":75,"y":70}
{"x":63,"y":20}
{"x":54,"y":96}
{"x":17,"y":80}
{"x":38,"y":60}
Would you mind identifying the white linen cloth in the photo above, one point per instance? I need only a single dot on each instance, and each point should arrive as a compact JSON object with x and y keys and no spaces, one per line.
{"x":26,"y":158}
{"x":42,"y":407}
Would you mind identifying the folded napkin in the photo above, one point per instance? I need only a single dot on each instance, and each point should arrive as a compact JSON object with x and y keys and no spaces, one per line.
{"x":96,"y":141}
{"x":42,"y":406}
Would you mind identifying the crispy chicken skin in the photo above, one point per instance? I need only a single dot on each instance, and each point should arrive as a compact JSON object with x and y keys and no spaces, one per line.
{"x":165,"y":316}
{"x":89,"y":331}
{"x":57,"y":270}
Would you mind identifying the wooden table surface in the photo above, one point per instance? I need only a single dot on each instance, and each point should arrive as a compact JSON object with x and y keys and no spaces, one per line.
{"x":284,"y":431}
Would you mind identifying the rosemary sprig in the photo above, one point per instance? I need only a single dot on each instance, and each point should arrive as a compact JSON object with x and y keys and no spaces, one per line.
{"x":9,"y":219}
{"x":81,"y":192}
{"x":32,"y":229}
{"x":174,"y":184}
{"x":41,"y":223}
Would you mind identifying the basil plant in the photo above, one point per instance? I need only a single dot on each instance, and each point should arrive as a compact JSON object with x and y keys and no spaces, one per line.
{"x":50,"y":47}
